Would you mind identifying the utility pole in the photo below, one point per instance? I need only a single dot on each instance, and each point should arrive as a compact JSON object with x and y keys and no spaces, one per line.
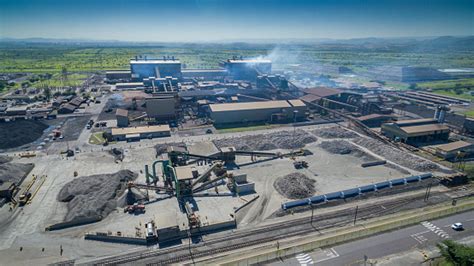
{"x":428,"y":191}
{"x":355,"y":215}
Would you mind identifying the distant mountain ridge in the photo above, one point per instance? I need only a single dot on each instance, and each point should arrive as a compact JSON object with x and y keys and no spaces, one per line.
{"x":441,"y":43}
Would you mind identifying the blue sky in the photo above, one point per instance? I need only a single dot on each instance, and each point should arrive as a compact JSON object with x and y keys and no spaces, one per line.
{"x":211,"y":20}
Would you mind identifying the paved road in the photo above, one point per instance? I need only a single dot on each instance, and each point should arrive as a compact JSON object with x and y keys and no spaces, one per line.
{"x":419,"y":236}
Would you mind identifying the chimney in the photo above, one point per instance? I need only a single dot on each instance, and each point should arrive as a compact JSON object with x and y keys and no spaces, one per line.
{"x":442,"y":116}
{"x":436,"y":114}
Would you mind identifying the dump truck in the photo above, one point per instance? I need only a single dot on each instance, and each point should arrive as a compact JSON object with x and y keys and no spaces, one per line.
{"x":134,"y":209}
{"x":24,"y":198}
{"x":300,"y":164}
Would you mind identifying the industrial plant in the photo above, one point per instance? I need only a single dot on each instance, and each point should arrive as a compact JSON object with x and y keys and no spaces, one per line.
{"x":171,"y":160}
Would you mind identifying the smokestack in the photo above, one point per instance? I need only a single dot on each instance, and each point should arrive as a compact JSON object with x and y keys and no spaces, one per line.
{"x":442,"y":116}
{"x":436,"y":114}
{"x":442,"y":113}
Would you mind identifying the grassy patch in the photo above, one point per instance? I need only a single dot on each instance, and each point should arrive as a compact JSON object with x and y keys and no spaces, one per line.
{"x":447,"y":84}
{"x":464,"y":95}
{"x":469,"y":113}
{"x":97,"y":139}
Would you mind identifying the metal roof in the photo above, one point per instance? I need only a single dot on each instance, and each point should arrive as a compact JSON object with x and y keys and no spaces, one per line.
{"x":223,"y":107}
{"x":297,"y":103}
{"x":310,"y":98}
{"x":155,"y":61}
{"x":250,"y":61}
{"x":454,"y":146}
{"x":121,"y":112}
{"x":374,"y":116}
{"x":322,"y":91}
{"x":424,"y":128}
{"x":184,"y":172}
{"x":140,"y":130}
{"x":415,"y":121}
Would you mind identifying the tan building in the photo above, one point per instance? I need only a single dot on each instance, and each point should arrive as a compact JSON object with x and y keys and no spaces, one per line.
{"x":451,"y":150}
{"x":416,"y":131}
{"x":141,"y":132}
{"x":268,"y":111}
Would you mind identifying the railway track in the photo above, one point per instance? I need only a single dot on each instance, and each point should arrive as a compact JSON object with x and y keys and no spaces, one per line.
{"x":261,"y":235}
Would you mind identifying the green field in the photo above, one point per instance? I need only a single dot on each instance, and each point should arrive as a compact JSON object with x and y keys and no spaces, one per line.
{"x":50,"y":58}
{"x":447,"y":84}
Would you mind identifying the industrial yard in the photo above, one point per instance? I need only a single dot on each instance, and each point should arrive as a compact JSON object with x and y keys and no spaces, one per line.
{"x":163,"y":158}
{"x":164,"y":210}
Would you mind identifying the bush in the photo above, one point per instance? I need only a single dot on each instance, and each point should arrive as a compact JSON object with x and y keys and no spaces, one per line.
{"x":456,"y":254}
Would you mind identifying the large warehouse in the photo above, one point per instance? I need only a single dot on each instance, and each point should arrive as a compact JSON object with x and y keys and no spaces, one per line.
{"x":158,"y":68}
{"x":416,"y":131}
{"x":268,"y":111}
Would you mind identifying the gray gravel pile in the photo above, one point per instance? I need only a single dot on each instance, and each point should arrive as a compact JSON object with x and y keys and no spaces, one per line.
{"x":96,"y":195}
{"x":13,"y":172}
{"x":5,"y":159}
{"x":400,"y":157}
{"x":334,"y":133}
{"x":338,"y":147}
{"x":131,"y":196}
{"x":295,"y":186}
{"x":163,"y":147}
{"x":271,"y":141}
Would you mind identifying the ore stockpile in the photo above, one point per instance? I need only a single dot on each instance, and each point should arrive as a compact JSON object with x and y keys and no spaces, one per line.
{"x":398,"y":156}
{"x":20,"y":132}
{"x":334,"y":132}
{"x":163,"y":147}
{"x":95,"y":195}
{"x":263,"y":142}
{"x":13,"y":172}
{"x":295,"y":186}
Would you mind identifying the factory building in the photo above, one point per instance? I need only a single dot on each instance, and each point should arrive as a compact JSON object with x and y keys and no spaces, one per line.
{"x":272,"y":81}
{"x":159,"y":68}
{"x":451,"y":150}
{"x":162,"y":107}
{"x":375,"y":120}
{"x":247,"y":69}
{"x":122,"y":117}
{"x":141,"y":132}
{"x":204,"y":73}
{"x":268,"y":111}
{"x":416,"y":131}
{"x":167,"y":84}
{"x":116,"y":75}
